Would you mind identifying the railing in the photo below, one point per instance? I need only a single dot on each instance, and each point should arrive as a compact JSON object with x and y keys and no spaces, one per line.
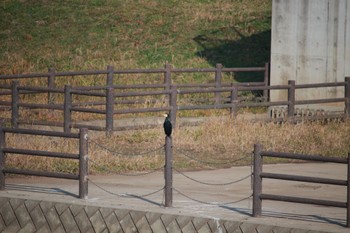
{"x":258,"y":196}
{"x":82,"y":157}
{"x":112,"y":97}
{"x":167,"y":71}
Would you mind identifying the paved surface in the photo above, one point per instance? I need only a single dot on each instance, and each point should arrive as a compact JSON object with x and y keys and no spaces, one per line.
{"x":218,"y":202}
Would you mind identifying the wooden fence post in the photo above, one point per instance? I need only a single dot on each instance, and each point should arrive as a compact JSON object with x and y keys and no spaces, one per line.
{"x":291,"y":99}
{"x":109,"y":110}
{"x":2,"y":159}
{"x":347,"y":97}
{"x":168,"y":172}
{"x":15,"y":107}
{"x":83,"y":163}
{"x":173,"y":105}
{"x":266,"y":81}
{"x":109,"y":101}
{"x":348,"y":195}
{"x":110,"y":76}
{"x":257,"y":185}
{"x":218,"y":77}
{"x":50,"y":84}
{"x":67,"y":117}
{"x":233,"y":100}
{"x":167,"y":76}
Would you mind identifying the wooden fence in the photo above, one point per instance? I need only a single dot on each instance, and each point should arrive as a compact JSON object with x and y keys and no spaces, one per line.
{"x":118,"y":99}
{"x":82,"y":157}
{"x":258,"y":196}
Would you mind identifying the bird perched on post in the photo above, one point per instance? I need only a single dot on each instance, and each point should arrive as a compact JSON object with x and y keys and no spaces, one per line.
{"x":167,"y":125}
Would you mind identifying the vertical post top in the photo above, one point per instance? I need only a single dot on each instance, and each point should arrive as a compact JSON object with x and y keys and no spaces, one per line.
{"x":291,"y":82}
{"x":167,"y":66}
{"x":218,"y":66}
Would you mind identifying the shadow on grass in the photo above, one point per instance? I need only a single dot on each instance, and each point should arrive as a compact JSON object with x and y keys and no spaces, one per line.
{"x":247,"y":51}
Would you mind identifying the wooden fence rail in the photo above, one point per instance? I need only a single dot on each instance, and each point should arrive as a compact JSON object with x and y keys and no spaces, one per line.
{"x":112,"y":98}
{"x":258,"y":196}
{"x":167,"y":71}
{"x":82,"y":157}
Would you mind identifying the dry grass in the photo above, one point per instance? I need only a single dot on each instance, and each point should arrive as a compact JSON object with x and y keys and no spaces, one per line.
{"x":217,"y":140}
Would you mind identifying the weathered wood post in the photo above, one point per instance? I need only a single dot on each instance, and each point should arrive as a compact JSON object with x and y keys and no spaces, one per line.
{"x":109,"y":110}
{"x":83,"y":163}
{"x":291,"y":99}
{"x":266,"y":82}
{"x":2,"y":159}
{"x":173,"y":105}
{"x":168,"y":172}
{"x":218,"y":77}
{"x":67,"y":109}
{"x":109,"y":101}
{"x":233,"y":100}
{"x":257,"y":184}
{"x":348,"y":195}
{"x":347,"y":97}
{"x":14,"y":105}
{"x":50,"y":85}
{"x":167,"y":76}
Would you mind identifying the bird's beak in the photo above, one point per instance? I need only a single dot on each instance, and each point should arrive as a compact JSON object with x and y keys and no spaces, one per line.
{"x":165,"y":115}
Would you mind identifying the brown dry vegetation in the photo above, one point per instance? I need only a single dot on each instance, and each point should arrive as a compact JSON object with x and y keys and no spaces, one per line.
{"x":218,"y":140}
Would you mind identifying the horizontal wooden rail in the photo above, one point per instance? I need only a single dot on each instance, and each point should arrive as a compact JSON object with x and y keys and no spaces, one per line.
{"x":320,"y":101}
{"x":303,"y":200}
{"x":82,"y":157}
{"x":258,"y":196}
{"x":41,"y":173}
{"x":112,"y":96}
{"x":41,"y":133}
{"x":317,"y":158}
{"x":41,"y":106}
{"x":317,"y":85}
{"x":303,"y":179}
{"x":41,"y":89}
{"x":41,"y":153}
{"x":208,"y":90}
{"x":88,"y":110}
{"x":141,"y":110}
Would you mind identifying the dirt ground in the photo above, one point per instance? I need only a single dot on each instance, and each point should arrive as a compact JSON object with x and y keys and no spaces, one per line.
{"x":192,"y":197}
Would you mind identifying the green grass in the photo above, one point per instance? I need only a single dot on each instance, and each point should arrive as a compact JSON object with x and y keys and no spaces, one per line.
{"x":83,"y":35}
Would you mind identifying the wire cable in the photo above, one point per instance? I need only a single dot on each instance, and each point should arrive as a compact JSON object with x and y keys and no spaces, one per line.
{"x":210,"y":162}
{"x":210,"y":203}
{"x":126,"y":174}
{"x":206,"y":183}
{"x":123,"y":154}
{"x":125,"y":195}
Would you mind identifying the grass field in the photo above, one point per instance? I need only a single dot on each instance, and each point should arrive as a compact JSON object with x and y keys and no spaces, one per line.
{"x":75,"y":35}
{"x":84,"y":35}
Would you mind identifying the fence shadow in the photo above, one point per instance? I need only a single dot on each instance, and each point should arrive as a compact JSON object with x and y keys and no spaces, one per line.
{"x":38,"y":189}
{"x":248,"y":51}
{"x":292,"y":216}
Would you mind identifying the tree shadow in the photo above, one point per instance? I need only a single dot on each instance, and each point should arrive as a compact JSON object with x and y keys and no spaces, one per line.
{"x":247,"y":51}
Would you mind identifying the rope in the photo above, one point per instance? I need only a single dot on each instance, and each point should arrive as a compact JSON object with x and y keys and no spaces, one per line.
{"x":222,"y":184}
{"x":210,"y":203}
{"x":125,"y":195}
{"x":126,"y":174}
{"x":209,"y":162}
{"x":122,"y":154}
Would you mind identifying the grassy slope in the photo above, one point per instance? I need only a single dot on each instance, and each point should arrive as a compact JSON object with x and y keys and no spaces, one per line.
{"x":81,"y":35}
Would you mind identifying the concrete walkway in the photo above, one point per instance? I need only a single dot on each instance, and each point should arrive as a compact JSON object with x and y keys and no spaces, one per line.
{"x":231,"y":201}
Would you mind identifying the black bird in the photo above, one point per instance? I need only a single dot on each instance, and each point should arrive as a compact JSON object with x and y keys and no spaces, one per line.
{"x":168,"y":127}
